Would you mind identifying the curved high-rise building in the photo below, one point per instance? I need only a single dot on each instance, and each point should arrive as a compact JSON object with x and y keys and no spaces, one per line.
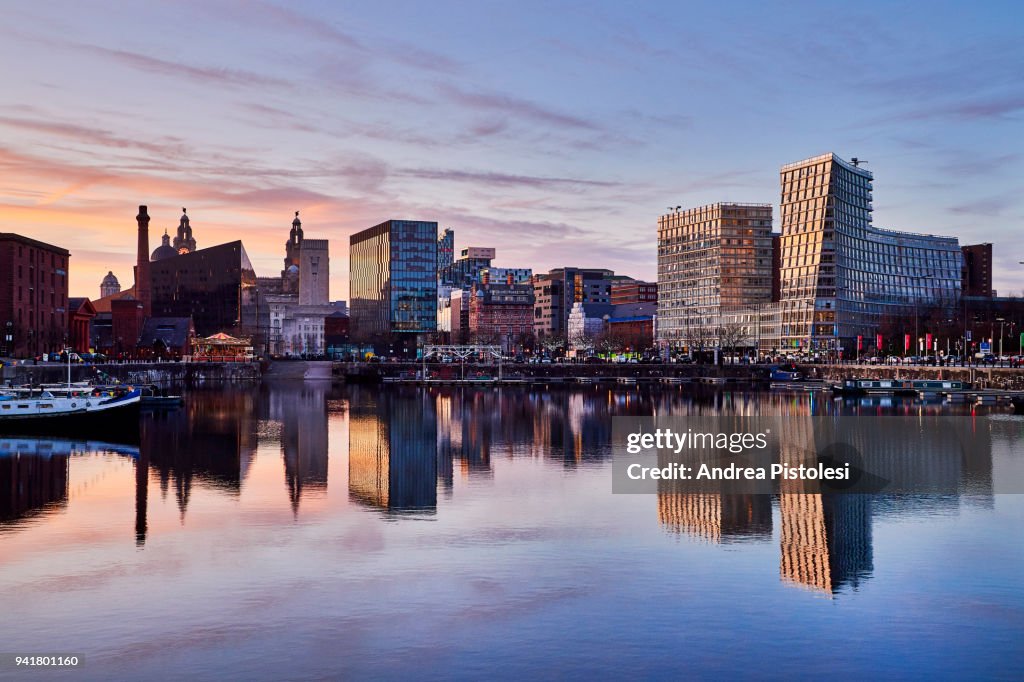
{"x":841,"y":277}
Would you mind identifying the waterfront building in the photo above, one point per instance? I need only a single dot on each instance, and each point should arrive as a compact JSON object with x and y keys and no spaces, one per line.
{"x":166,"y":338}
{"x":711,"y":258}
{"x":33,"y":296}
{"x":557,"y":291}
{"x":109,"y":286}
{"x":183,"y":240}
{"x":336,"y":330}
{"x":500,"y":313}
{"x":841,"y":277}
{"x":296,"y":304}
{"x":80,"y":316}
{"x":633,"y":324}
{"x":393,"y":280}
{"x":215,"y":286}
{"x":165,"y":250}
{"x":977,"y":270}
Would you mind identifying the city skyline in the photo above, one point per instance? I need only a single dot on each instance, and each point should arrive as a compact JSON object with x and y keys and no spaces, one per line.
{"x":557,"y":142}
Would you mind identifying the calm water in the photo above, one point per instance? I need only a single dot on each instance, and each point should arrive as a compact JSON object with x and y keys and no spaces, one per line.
{"x":304,"y":531}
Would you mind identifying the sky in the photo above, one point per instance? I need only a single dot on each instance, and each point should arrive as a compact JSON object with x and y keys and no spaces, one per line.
{"x":556,"y":132}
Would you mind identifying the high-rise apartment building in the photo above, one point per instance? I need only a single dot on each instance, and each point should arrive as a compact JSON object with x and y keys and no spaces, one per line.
{"x":977,"y":270}
{"x":711,"y":258}
{"x":393,"y":279}
{"x":840,"y":276}
{"x":33,"y":296}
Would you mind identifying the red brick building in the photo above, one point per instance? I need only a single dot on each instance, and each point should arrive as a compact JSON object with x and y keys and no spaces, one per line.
{"x":500,"y":313}
{"x":127,"y":319}
{"x":33,"y":296}
{"x":80,"y":315}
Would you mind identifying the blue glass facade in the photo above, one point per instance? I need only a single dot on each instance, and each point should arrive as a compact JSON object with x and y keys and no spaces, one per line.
{"x":393,"y":279}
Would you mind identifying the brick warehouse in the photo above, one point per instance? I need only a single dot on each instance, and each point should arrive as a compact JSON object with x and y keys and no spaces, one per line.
{"x":33,"y":296}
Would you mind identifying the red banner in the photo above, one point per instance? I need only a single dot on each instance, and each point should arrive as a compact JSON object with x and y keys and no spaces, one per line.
{"x":927,"y":342}
{"x":860,"y":342}
{"x":906,"y":342}
{"x":878,"y":341}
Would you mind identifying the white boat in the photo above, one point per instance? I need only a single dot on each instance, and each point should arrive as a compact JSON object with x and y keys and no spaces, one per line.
{"x":70,"y":406}
{"x":21,"y":406}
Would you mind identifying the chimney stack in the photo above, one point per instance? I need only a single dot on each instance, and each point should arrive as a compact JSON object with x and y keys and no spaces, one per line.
{"x":143,"y":282}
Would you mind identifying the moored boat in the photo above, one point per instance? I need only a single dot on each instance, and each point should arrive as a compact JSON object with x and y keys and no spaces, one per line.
{"x":70,"y":409}
{"x":908,"y":387}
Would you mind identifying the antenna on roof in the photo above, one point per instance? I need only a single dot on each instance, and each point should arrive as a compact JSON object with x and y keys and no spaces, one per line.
{"x":857,"y":162}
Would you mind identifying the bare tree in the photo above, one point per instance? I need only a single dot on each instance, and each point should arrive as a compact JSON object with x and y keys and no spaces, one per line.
{"x":553,"y":343}
{"x":732,"y":335}
{"x":609,"y":342}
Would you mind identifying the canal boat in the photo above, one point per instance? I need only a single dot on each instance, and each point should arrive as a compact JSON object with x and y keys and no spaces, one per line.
{"x":904,"y":387}
{"x":858,"y":387}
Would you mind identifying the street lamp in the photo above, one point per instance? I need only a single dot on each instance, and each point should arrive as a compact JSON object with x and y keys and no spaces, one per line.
{"x":1002,"y":323}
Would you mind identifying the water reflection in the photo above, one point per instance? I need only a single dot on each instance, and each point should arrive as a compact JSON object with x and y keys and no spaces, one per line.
{"x":34,"y":473}
{"x":392,"y":455}
{"x":408,"y":450}
{"x":210,"y":442}
{"x":301,"y":411}
{"x":33,"y":477}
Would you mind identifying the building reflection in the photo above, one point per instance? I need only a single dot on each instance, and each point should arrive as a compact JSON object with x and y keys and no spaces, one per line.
{"x":301,"y":410}
{"x":825,"y":540}
{"x":392,"y":459}
{"x":211,"y":441}
{"x":715,"y":517}
{"x":33,"y":477}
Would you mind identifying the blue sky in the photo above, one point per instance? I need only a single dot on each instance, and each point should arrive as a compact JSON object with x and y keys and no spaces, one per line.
{"x":556,"y":132}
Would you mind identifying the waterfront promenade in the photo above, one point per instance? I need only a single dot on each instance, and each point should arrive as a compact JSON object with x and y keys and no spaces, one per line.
{"x":1005,"y":378}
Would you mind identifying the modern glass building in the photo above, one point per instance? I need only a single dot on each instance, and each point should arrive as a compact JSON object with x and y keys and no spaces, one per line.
{"x":215,"y":286}
{"x":840,"y":276}
{"x":393,"y":279}
{"x":711,"y":258}
{"x":445,"y":250}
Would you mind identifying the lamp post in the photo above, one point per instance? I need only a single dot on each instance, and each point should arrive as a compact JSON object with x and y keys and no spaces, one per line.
{"x":1002,"y":323}
{"x":9,"y":339}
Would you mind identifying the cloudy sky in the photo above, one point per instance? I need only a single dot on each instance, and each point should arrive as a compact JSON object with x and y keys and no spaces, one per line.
{"x":556,"y":132}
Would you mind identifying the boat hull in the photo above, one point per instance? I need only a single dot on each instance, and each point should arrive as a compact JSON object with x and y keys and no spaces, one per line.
{"x":118,"y":417}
